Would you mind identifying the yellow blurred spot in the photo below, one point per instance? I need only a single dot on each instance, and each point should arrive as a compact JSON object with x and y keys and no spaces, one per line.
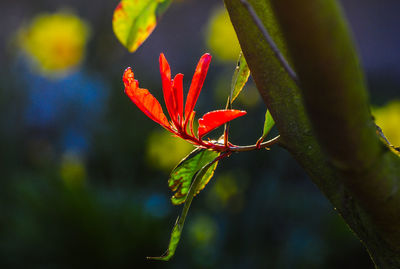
{"x":165,"y":151}
{"x":227,"y":192}
{"x":388,"y":118}
{"x":225,"y":188}
{"x":249,"y":97}
{"x":72,"y":171}
{"x":202,"y":231}
{"x":221,"y":37}
{"x":55,"y":42}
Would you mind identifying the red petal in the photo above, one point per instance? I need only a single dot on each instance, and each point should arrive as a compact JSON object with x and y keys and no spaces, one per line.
{"x":214,"y":119}
{"x":165,"y":72}
{"x":144,"y":100}
{"x":197,"y":83}
{"x":191,"y":118}
{"x":177,"y":86}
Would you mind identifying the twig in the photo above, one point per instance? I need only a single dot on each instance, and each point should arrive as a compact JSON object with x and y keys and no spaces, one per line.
{"x":256,"y":146}
{"x":271,"y":42}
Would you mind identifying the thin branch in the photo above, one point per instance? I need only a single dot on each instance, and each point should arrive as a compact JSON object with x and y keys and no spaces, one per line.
{"x":271,"y":42}
{"x":265,"y":144}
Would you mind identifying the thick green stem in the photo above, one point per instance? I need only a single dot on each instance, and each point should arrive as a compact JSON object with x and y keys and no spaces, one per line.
{"x":337,"y":144}
{"x":332,"y":82}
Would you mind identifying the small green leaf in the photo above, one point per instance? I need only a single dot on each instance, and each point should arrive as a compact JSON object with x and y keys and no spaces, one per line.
{"x":134,"y":20}
{"x":268,"y":124}
{"x":198,"y":181}
{"x":182,"y":175}
{"x":240,"y":77}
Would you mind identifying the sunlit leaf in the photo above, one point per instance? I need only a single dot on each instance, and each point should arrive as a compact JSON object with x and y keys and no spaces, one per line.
{"x":134,"y":20}
{"x":214,"y":119}
{"x":197,"y":179}
{"x":182,"y":175}
{"x":143,"y":99}
{"x":177,"y":86}
{"x":165,"y":72}
{"x":240,"y":77}
{"x":197,"y":83}
{"x":268,"y":124}
{"x":172,"y":90}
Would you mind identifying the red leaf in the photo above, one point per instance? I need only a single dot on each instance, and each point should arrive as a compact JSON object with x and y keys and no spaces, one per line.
{"x":165,"y":72}
{"x":214,"y":119}
{"x":144,"y":100}
{"x":177,"y":86}
{"x":197,"y":83}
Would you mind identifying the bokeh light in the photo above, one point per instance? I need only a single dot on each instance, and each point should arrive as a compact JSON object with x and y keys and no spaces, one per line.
{"x":221,"y":37}
{"x":72,"y":170}
{"x":55,"y":42}
{"x":164,"y":151}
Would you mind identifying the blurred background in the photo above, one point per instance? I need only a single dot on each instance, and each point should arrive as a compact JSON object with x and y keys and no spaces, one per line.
{"x":84,"y":173}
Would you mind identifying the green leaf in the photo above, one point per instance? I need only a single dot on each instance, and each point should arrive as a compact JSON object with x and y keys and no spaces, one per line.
{"x":182,"y":175}
{"x":134,"y":20}
{"x":268,"y":124}
{"x":198,"y":180}
{"x":240,"y":77}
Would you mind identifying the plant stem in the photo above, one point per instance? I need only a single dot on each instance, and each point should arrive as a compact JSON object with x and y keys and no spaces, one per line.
{"x":360,"y":181}
{"x":226,"y":146}
{"x":265,"y":144}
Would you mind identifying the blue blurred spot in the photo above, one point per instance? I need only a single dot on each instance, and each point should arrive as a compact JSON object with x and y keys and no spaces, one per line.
{"x":71,"y":106}
{"x":304,"y":246}
{"x":76,"y":98}
{"x":157,"y":206}
{"x":75,"y":140}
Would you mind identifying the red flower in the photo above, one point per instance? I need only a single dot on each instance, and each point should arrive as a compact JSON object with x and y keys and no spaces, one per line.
{"x":181,"y":117}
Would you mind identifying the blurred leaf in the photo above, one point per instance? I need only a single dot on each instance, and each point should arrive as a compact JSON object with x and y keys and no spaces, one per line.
{"x":135,"y":20}
{"x":268,"y":124}
{"x":182,"y":175}
{"x":240,"y":77}
{"x":198,"y":183}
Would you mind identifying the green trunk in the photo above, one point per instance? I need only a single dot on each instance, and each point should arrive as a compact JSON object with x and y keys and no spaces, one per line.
{"x":331,"y":134}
